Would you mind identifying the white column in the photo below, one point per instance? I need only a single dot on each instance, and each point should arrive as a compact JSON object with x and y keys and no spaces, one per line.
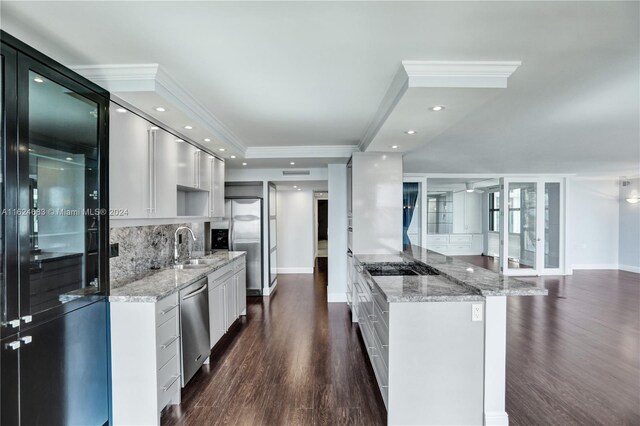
{"x":495,"y":361}
{"x":337,"y":233}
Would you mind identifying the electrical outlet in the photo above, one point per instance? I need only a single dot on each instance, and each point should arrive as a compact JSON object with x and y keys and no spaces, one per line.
{"x":476,"y":312}
{"x":114,"y":250}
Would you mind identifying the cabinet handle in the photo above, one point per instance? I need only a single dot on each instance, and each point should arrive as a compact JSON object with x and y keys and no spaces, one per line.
{"x":166,"y":311}
{"x":26,"y":339}
{"x":27,"y":319}
{"x":14,"y":323}
{"x":196,"y":169}
{"x":151,"y":164}
{"x":169,"y":342}
{"x":14,"y":345}
{"x":168,"y":385}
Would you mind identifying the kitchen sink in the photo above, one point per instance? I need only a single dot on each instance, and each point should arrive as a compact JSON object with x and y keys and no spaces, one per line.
{"x":398,"y":269}
{"x":191,"y":266}
{"x":201,"y":261}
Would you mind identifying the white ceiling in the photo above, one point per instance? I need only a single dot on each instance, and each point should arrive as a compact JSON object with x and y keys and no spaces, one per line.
{"x":302,"y":185}
{"x":315,"y":73}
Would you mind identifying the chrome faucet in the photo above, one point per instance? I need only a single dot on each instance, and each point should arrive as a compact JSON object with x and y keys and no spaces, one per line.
{"x":175,"y":242}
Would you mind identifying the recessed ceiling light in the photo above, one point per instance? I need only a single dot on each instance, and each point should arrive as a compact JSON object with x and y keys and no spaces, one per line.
{"x":179,"y":140}
{"x":295,"y":186}
{"x":411,"y":132}
{"x":244,"y":164}
{"x":121,"y":110}
{"x":394,"y":146}
{"x":207,"y":140}
{"x":221,"y":149}
{"x":38,"y":80}
{"x":437,"y":108}
{"x":233,"y":156}
{"x":153,"y":128}
{"x":68,"y":158}
{"x":299,"y":189}
{"x":188,"y":127}
{"x":292,"y":163}
{"x":160,"y":109}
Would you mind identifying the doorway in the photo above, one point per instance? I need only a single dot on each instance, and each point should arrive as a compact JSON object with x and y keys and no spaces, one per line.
{"x":322,"y":223}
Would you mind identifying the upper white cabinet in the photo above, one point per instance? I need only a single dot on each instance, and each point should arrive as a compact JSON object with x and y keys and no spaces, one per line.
{"x":165,"y":176}
{"x":203,"y":170}
{"x":129,"y":148}
{"x":187,"y":158}
{"x":217,"y":188}
{"x":467,"y":213}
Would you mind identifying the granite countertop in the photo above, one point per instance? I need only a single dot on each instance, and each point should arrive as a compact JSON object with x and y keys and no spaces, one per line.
{"x":155,"y":285}
{"x":457,"y":280}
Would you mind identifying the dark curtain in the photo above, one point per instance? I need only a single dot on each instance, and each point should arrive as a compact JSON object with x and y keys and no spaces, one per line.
{"x":409,"y":197}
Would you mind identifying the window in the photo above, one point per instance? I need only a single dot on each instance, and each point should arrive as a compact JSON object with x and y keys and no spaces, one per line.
{"x":515,"y":201}
{"x":494,"y":211}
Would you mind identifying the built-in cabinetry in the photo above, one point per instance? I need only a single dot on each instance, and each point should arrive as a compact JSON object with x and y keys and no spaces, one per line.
{"x":172,"y":177}
{"x":227,"y":298}
{"x":427,"y":357}
{"x":456,"y":244}
{"x":145,"y":359}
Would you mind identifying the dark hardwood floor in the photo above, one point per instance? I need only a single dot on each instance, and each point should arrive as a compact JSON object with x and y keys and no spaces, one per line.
{"x":295,"y":361}
{"x":573,"y":358}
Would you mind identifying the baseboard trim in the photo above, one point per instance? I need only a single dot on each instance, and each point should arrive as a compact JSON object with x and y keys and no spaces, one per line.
{"x":337,"y":297}
{"x":630,"y":268}
{"x":496,"y":418}
{"x":595,"y":266}
{"x":295,"y":270}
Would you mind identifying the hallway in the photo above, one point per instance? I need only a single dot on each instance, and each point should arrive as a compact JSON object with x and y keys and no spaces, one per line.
{"x":300,"y":363}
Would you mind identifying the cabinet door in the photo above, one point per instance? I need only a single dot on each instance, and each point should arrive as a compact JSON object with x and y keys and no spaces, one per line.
{"x":187,"y":165}
{"x":204,"y":170}
{"x":473,"y":213}
{"x":128,"y":163}
{"x":459,"y":204}
{"x":217,"y":188}
{"x":166,"y":151}
{"x":217,"y":318}
{"x":241,"y":287}
{"x":231,"y":305}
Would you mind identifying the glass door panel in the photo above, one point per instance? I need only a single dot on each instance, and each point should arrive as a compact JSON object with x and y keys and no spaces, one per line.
{"x":521,"y":228}
{"x":60,"y":187}
{"x":552,"y":224}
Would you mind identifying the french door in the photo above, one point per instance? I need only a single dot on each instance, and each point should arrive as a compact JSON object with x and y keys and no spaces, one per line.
{"x":531,"y":229}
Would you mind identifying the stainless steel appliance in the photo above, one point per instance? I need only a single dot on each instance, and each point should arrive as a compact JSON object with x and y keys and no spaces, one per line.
{"x":194,"y":328}
{"x":244,"y":216}
{"x":54,"y":262}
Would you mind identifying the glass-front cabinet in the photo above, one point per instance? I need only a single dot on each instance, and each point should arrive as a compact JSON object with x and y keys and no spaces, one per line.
{"x":54,"y":278}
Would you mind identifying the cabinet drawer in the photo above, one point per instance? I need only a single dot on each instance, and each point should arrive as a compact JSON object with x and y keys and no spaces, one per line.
{"x":167,"y":350}
{"x":164,"y":396}
{"x":169,"y":328}
{"x":438,"y":248}
{"x":437,"y":239}
{"x":383,"y":348}
{"x":460,"y":247}
{"x":168,"y":373}
{"x":214,"y":276}
{"x":380,"y":327}
{"x":382,"y":307}
{"x":239,"y":264}
{"x":460,"y":239}
{"x":166,"y":309}
{"x":380,"y":371}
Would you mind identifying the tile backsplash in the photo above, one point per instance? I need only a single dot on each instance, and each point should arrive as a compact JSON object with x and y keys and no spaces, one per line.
{"x":145,"y":247}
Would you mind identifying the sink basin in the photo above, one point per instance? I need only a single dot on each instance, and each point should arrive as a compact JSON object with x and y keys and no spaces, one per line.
{"x":398,"y":269}
{"x":190,"y":266}
{"x":200,"y":261}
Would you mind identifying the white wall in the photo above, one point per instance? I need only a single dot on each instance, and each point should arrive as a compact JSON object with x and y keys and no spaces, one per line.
{"x":295,"y":232}
{"x":593,"y":223}
{"x":337,"y":233}
{"x":629,"y":245}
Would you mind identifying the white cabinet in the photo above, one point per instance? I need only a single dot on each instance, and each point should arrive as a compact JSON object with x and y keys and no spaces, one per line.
{"x":165,"y":176}
{"x":467,"y":213}
{"x":240,"y":277}
{"x":231,"y":300}
{"x":217,"y":188}
{"x":145,"y":359}
{"x":227,"y":298}
{"x":217,"y":318}
{"x":129,"y":163}
{"x":187,"y":165}
{"x":203,"y":170}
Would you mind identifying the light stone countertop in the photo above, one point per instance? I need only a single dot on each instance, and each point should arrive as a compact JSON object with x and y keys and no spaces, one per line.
{"x":156,"y":285}
{"x":457,"y":280}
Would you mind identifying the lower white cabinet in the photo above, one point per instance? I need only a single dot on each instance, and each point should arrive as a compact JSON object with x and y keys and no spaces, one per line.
{"x":227,"y":298}
{"x":145,"y":359}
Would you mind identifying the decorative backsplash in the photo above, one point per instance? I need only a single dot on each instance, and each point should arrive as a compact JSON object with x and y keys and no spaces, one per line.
{"x":145,"y":247}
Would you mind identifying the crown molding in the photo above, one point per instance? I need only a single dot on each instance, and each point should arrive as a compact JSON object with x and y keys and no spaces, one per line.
{"x":317,"y":151}
{"x":443,"y":74}
{"x":119,"y":78}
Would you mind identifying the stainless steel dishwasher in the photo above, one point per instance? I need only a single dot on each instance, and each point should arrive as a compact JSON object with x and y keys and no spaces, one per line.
{"x":194,"y":328}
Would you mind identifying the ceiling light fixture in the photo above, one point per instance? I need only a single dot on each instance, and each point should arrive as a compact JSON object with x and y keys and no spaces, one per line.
{"x":292,"y":163}
{"x":221,"y":149}
{"x":411,"y":132}
{"x":244,"y":164}
{"x":207,"y":140}
{"x":233,"y":156}
{"x":188,"y":127}
{"x":69,"y":159}
{"x":160,"y":109}
{"x":38,"y":80}
{"x":437,"y":108}
{"x":394,"y":146}
{"x":154,"y":128}
{"x":179,"y":140}
{"x":295,"y":186}
{"x":299,"y":189}
{"x":633,"y":200}
{"x":121,"y":110}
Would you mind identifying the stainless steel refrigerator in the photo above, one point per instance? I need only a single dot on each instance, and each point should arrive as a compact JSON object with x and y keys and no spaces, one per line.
{"x":244,"y":216}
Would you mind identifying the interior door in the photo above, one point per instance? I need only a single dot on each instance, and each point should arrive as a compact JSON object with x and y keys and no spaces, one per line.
{"x":531,"y":227}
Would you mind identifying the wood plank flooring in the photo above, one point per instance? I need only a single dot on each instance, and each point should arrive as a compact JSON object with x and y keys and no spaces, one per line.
{"x":573,"y":358}
{"x":295,"y":361}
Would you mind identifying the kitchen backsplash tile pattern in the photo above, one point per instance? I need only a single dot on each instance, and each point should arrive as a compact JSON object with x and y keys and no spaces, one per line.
{"x":145,"y":247}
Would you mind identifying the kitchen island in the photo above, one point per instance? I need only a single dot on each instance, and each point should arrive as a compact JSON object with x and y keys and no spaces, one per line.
{"x":435,"y":332}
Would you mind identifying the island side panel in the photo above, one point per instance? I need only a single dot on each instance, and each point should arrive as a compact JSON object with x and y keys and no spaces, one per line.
{"x":436,"y":364}
{"x":495,"y":361}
